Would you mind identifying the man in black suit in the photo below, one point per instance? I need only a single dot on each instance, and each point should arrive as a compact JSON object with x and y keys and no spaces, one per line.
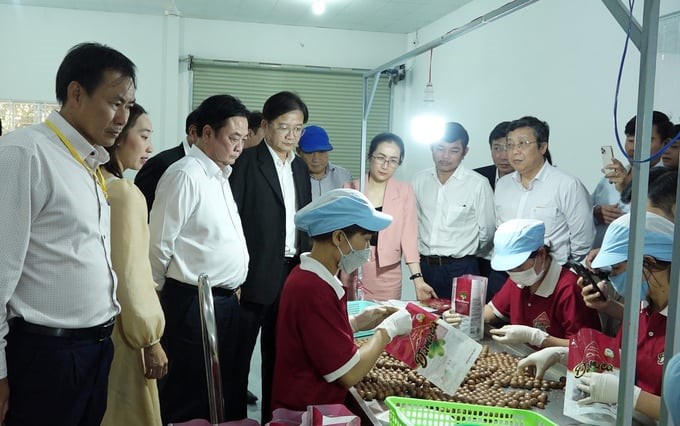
{"x":269,"y":184}
{"x":501,"y":165}
{"x":148,"y":176}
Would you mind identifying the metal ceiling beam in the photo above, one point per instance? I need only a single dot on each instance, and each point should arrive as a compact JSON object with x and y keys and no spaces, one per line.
{"x":620,"y":12}
{"x":498,"y":13}
{"x":506,"y":9}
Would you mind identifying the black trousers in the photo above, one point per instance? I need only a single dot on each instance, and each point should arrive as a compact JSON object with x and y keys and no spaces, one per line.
{"x":55,"y":380}
{"x":256,"y":316}
{"x":183,"y":392}
{"x":440,"y":277}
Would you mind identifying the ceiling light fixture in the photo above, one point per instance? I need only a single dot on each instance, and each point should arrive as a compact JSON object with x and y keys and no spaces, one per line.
{"x":318,"y":7}
{"x":428,"y":126}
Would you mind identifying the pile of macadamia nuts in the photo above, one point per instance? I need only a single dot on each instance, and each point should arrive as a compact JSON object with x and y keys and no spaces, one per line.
{"x":493,"y":380}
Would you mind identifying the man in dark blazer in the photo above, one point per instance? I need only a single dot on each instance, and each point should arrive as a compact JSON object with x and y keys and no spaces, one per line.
{"x":269,"y":184}
{"x":501,"y":166}
{"x":148,"y":176}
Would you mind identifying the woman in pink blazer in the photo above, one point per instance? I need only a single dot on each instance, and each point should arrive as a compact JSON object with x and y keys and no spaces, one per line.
{"x":381,"y":275}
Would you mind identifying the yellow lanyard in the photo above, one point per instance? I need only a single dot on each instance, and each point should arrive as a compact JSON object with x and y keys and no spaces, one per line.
{"x":96,"y":173}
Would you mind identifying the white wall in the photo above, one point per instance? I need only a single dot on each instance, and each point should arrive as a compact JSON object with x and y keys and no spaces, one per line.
{"x":553,"y":59}
{"x":34,"y":41}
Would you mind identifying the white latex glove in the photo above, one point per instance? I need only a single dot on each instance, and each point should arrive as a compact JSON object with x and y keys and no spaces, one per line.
{"x":397,"y":324}
{"x":602,"y":387}
{"x":543,"y":359}
{"x":514,"y":334}
{"x":370,"y":317}
{"x":452,"y":318}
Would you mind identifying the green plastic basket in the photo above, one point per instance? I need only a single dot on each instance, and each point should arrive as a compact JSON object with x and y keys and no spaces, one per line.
{"x":423,"y":412}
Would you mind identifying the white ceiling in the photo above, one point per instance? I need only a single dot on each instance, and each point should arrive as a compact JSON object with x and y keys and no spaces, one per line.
{"x":390,"y":16}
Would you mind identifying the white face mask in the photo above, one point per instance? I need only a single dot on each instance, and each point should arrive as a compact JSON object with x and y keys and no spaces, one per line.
{"x":351,"y":261}
{"x":526,"y":278}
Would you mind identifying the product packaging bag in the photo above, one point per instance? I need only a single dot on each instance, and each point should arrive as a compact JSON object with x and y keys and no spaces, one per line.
{"x":467,"y":298}
{"x":594,"y":352}
{"x":441,"y":353}
{"x":316,"y":415}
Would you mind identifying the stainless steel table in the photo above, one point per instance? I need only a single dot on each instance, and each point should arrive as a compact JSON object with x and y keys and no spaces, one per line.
{"x":552,"y":411}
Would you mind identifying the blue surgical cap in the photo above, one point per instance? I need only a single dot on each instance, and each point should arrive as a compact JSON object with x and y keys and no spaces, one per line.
{"x":338,"y":209}
{"x":658,"y":240}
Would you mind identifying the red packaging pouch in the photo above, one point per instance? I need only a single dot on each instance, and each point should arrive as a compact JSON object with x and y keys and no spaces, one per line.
{"x":590,"y":352}
{"x":468,"y":297}
{"x":433,"y":348}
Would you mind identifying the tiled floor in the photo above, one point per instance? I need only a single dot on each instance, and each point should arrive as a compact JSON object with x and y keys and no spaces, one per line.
{"x":255,"y":382}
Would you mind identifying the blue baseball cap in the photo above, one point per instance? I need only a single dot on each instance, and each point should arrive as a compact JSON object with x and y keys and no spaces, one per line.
{"x":658,"y":240}
{"x":314,"y":139}
{"x":338,"y":209}
{"x":514,"y":241}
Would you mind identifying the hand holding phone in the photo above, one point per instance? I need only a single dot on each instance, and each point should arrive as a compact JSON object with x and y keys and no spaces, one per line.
{"x":588,"y":278}
{"x":607,"y":155}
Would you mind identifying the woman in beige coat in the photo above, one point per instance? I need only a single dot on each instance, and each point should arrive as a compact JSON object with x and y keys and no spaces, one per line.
{"x":138,"y":358}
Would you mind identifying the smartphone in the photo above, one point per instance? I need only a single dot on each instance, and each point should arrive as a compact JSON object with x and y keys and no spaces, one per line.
{"x":588,"y":277}
{"x":607,"y":155}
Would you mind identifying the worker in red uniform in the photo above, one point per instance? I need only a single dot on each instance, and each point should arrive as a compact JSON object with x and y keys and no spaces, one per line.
{"x":651,"y":342}
{"x":650,"y":359}
{"x":540,"y":300}
{"x":316,"y":357}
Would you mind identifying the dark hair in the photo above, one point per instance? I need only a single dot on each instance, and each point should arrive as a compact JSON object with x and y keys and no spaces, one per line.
{"x":664,"y":126}
{"x":455,"y":132}
{"x":534,"y":253}
{"x":0,"y":126}
{"x":540,"y":128}
{"x":86,"y":63}
{"x":498,"y":132}
{"x":283,"y":103}
{"x":654,"y":174}
{"x":215,"y":111}
{"x":349,"y":232}
{"x":662,"y":190}
{"x":112,"y":165}
{"x":190,"y":121}
{"x":254,"y":121}
{"x":387,"y":137}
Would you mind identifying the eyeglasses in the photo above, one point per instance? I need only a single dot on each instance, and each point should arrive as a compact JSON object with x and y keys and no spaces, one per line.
{"x":381,"y":159}
{"x":521,"y":145}
{"x":285,"y":129}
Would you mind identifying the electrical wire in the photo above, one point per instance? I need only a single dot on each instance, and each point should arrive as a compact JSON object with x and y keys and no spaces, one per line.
{"x":631,"y":3}
{"x":429,"y":73}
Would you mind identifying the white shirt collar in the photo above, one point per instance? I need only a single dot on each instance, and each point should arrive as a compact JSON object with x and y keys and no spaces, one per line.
{"x":539,"y":176}
{"x":185,"y":145}
{"x":209,"y":166}
{"x":308,"y":263}
{"x":93,"y":155}
{"x":645,"y":304}
{"x":277,"y":159}
{"x":457,"y":174}
{"x":552,"y":276}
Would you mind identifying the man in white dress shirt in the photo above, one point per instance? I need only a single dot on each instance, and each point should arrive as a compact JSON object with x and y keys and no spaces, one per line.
{"x":538,"y":190}
{"x":195,"y":228}
{"x":57,"y":286}
{"x":455,"y":213}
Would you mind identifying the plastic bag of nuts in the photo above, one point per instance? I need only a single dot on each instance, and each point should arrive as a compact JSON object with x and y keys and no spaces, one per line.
{"x":493,"y":380}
